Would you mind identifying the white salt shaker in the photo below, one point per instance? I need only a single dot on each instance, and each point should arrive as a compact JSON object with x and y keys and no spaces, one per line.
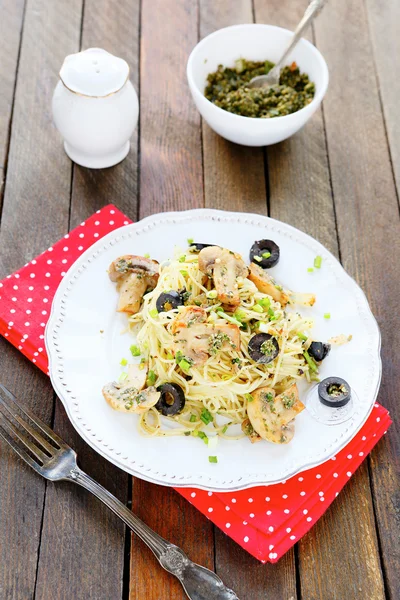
{"x":95,"y":108}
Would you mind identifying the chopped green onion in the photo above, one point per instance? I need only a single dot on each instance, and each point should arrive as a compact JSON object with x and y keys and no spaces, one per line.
{"x":184,"y":273}
{"x":185,"y":365}
{"x":318,"y":262}
{"x":224,"y":429}
{"x":314,"y":377}
{"x":182,"y":258}
{"x":223,"y":314}
{"x":212,"y":459}
{"x":239,"y":314}
{"x":193,"y":418}
{"x":264,"y":302}
{"x":266,"y":254}
{"x":271,"y":314}
{"x":201,"y":435}
{"x":310,"y":362}
{"x":257,"y":308}
{"x":257,"y":258}
{"x":135,"y":350}
{"x":142,"y":363}
{"x":178,"y":357}
{"x":147,"y":255}
{"x":153,"y":312}
{"x":190,"y":241}
{"x":212,"y":294}
{"x":327,"y":315}
{"x":310,"y":270}
{"x":123,"y":362}
{"x":170,"y":356}
{"x":206,"y":416}
{"x":123,"y":376}
{"x":301,"y":336}
{"x":249,"y":397}
{"x":151,"y":378}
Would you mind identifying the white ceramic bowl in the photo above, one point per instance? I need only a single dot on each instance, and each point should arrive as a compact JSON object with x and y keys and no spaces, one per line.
{"x":253,"y":42}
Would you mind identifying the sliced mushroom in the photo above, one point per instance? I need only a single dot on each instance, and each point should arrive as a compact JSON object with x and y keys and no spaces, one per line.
{"x":225,"y":267}
{"x":133,"y":276}
{"x":250,"y":432}
{"x":197,"y":340}
{"x":267,"y":285}
{"x":129,"y":395}
{"x":271,"y":416}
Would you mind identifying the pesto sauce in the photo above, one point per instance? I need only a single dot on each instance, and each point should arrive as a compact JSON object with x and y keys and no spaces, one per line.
{"x":227,"y":89}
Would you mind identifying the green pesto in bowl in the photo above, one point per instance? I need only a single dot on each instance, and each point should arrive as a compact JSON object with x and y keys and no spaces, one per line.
{"x":227,"y":89}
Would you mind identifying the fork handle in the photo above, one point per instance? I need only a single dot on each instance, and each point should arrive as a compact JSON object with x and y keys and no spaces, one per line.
{"x":198,"y":582}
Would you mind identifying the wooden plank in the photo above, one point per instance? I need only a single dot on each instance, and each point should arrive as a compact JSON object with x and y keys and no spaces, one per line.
{"x":171,"y":174}
{"x":71,"y":509}
{"x":11,"y":20}
{"x":365,"y":197}
{"x":35,"y":214}
{"x":170,"y":179}
{"x":300,"y":194}
{"x":384,"y":19}
{"x":234,"y":179}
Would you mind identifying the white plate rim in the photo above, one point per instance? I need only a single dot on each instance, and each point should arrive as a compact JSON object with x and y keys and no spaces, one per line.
{"x":55,"y":358}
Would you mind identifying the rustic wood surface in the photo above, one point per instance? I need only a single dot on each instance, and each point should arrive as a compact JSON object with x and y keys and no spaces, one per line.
{"x":336,"y":180}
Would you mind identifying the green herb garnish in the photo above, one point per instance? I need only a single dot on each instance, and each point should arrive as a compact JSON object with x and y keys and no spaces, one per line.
{"x":123,"y":376}
{"x":318,"y":262}
{"x":264,"y":302}
{"x":185,"y":365}
{"x":257,"y":308}
{"x":301,"y":336}
{"x":135,"y":350}
{"x":206,"y":416}
{"x":212,"y":459}
{"x":153,"y":312}
{"x":190,"y":241}
{"x":266,"y":254}
{"x":310,"y":361}
{"x":193,"y":418}
{"x":225,"y":429}
{"x":249,"y":397}
{"x":327,"y":315}
{"x":151,"y":378}
{"x":123,"y":362}
{"x":310,"y":270}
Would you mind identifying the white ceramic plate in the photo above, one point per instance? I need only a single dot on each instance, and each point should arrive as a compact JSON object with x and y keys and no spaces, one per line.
{"x":82,"y":358}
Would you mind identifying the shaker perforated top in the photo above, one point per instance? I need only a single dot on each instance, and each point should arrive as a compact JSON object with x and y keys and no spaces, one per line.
{"x":94,"y":72}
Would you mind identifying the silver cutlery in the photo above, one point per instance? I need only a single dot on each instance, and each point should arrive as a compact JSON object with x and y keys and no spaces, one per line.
{"x":52,"y":458}
{"x":272,"y":78}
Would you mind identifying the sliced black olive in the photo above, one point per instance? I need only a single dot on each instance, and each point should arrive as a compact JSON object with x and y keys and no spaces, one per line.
{"x":172,"y":399}
{"x":319,"y":350}
{"x":168,"y":301}
{"x":334,"y":392}
{"x":196,"y":247}
{"x":263,"y":348}
{"x":264,"y":247}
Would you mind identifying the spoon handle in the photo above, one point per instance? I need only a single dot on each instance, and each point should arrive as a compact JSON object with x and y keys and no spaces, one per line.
{"x":312,"y":10}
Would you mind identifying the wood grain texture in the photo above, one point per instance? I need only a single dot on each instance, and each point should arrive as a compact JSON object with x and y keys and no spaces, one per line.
{"x":171,"y":175}
{"x":365,"y":198}
{"x":114,"y":27}
{"x":384,"y":20}
{"x":12,"y":14}
{"x":234,"y":179}
{"x":86,"y":528}
{"x":176,"y":520}
{"x":300,"y":194}
{"x":35,"y":214}
{"x":171,"y":178}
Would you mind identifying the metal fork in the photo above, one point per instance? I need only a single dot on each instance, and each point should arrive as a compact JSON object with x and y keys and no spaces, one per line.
{"x":52,"y":458}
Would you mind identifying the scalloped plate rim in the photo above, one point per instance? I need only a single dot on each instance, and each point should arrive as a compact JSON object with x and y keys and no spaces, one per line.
{"x":201,"y":484}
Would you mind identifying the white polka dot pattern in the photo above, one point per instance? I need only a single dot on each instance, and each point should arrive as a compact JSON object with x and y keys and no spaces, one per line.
{"x":293,"y":506}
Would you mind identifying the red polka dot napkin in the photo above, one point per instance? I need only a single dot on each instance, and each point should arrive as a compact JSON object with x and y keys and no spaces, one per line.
{"x":265,"y":520}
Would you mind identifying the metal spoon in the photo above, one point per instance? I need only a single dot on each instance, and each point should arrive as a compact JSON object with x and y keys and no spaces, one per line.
{"x":272,"y":78}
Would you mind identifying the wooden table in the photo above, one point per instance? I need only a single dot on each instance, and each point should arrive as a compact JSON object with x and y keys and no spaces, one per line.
{"x":337,"y":180}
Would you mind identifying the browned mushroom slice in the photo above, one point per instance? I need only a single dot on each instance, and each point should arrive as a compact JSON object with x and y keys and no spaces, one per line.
{"x":267,"y":285}
{"x":225,"y":267}
{"x":129,"y":395}
{"x":133,"y":276}
{"x":197,"y":340}
{"x":271,"y":416}
{"x":250,"y":432}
